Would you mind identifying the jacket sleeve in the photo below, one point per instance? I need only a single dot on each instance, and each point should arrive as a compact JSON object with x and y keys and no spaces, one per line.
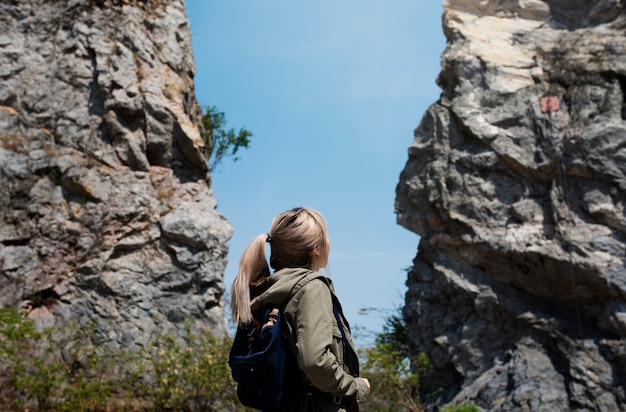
{"x":315,"y":331}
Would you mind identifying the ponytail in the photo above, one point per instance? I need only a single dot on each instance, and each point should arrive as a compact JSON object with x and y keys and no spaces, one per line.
{"x":298,"y":239}
{"x":252,"y":267}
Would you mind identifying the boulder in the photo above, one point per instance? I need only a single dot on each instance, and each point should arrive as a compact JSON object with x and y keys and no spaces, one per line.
{"x":516,"y":183}
{"x":106,"y":208}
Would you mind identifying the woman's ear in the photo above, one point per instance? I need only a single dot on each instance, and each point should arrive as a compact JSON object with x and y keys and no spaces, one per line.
{"x":315,"y":257}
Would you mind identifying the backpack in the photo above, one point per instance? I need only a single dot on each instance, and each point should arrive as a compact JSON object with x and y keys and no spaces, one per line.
{"x":262,"y":363}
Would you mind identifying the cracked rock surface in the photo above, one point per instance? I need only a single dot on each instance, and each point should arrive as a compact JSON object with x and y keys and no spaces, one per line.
{"x":106,"y":208}
{"x":516,"y":183}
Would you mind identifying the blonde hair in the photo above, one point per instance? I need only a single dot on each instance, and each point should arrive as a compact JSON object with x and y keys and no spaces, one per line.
{"x":297,"y":238}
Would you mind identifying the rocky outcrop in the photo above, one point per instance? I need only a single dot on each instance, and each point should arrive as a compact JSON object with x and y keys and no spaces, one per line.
{"x":516,"y":183}
{"x":106,"y":207}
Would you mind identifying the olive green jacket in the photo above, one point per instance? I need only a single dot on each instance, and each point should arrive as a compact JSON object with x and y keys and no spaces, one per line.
{"x":312,"y":329}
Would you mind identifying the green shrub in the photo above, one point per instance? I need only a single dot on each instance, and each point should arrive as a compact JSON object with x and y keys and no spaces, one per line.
{"x":394,"y":366}
{"x":33,"y":373}
{"x":192,"y":374}
{"x":92,"y":371}
{"x":183,"y":374}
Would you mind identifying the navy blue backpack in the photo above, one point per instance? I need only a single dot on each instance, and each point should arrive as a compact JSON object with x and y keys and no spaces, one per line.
{"x":263,"y":365}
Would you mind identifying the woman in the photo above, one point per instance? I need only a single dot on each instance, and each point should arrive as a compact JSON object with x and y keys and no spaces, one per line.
{"x":299,"y":248}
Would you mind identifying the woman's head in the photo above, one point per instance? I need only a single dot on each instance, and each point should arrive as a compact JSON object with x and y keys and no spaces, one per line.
{"x":297,"y":238}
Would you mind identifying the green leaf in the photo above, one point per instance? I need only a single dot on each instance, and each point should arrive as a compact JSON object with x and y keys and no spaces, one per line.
{"x":220,"y":143}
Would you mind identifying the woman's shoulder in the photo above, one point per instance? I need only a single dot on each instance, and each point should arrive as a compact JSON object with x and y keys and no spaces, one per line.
{"x":314,"y":279}
{"x":315,"y":286}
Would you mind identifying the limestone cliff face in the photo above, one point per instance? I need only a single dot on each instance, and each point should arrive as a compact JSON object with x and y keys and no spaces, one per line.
{"x":106,"y":209}
{"x":516,"y":182}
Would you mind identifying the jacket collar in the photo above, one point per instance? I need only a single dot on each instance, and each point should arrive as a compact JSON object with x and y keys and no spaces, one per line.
{"x":276,"y":290}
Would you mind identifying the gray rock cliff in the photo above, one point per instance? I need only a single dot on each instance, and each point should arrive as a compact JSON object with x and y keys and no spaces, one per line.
{"x":106,"y":208}
{"x":516,"y":183}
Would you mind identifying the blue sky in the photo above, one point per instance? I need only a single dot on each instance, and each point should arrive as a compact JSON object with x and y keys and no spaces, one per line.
{"x":332,"y":90}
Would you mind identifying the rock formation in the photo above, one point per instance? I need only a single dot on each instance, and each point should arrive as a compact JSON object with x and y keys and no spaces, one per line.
{"x":516,"y":183}
{"x":106,"y":207}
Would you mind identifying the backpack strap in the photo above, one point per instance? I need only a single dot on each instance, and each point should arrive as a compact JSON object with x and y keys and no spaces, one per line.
{"x":349,"y":353}
{"x":299,"y":284}
{"x":347,"y":348}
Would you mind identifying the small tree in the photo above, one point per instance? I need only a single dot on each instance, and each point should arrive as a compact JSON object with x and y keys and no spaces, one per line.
{"x":394,"y":367}
{"x":220,"y":143}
